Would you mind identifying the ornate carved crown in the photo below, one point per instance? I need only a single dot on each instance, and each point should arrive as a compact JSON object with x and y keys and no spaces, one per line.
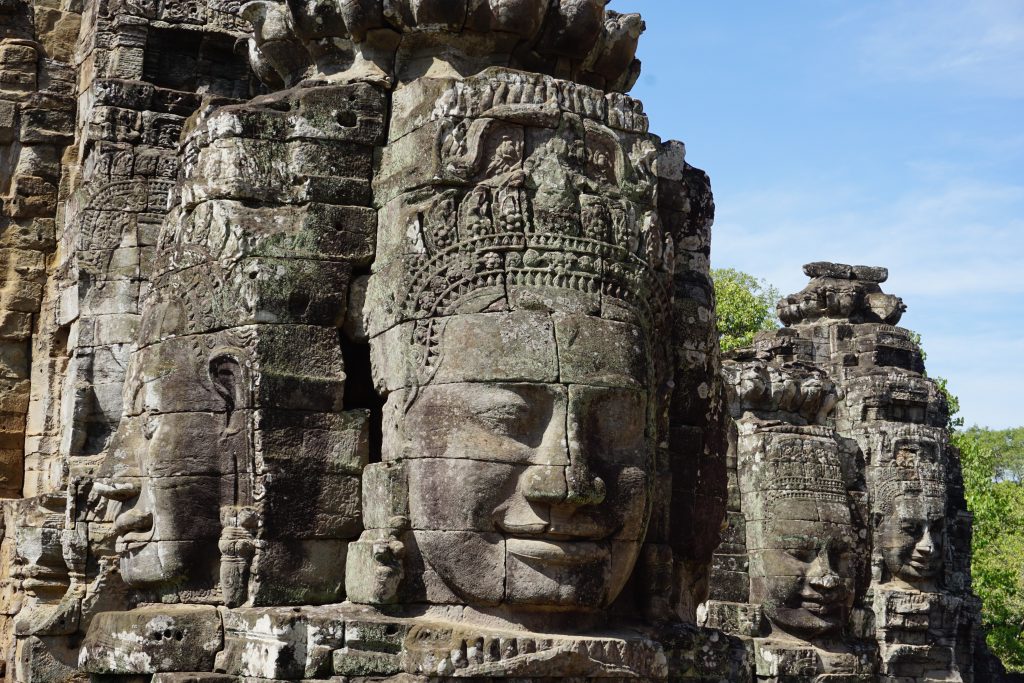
{"x":800,"y":465}
{"x":533,"y":184}
{"x":924,"y":479}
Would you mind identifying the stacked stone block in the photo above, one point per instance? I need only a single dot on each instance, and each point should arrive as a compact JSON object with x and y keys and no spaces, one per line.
{"x":37,"y":122}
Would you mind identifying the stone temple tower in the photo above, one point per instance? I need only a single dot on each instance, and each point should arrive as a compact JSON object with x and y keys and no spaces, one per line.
{"x":365,"y":339}
{"x":847,"y":549}
{"x":375,"y":340}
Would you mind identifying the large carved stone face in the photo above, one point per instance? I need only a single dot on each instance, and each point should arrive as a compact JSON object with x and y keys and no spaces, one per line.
{"x":519,"y":312}
{"x":530,"y":488}
{"x":804,"y":573}
{"x":911,"y":537}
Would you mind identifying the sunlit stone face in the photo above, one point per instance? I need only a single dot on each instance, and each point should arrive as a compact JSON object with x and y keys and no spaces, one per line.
{"x":530,"y":489}
{"x":157,"y":542}
{"x":178,"y":456}
{"x":911,"y":538}
{"x":804,"y":573}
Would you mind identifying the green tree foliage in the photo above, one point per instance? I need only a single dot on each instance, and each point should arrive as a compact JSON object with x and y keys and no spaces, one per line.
{"x":1007,"y":446}
{"x":745,"y":306}
{"x":997,"y":560}
{"x":955,"y":421}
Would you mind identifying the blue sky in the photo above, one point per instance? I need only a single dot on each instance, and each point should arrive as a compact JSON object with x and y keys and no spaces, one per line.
{"x":879,"y":133}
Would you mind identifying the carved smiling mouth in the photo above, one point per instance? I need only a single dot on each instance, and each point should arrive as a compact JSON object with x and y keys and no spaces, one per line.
{"x":557,"y":552}
{"x":819,"y":605}
{"x":559,"y":530}
{"x":922,"y":567}
{"x":130,"y":546}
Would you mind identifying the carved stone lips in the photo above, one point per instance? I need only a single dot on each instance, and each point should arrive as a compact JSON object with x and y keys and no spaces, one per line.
{"x":820,"y":605}
{"x":129,"y":545}
{"x":922,"y":566}
{"x":557,"y":552}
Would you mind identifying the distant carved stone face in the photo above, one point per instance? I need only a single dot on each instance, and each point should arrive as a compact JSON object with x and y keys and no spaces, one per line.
{"x":803,"y":574}
{"x":530,"y":491}
{"x":804,"y":553}
{"x":911,"y":537}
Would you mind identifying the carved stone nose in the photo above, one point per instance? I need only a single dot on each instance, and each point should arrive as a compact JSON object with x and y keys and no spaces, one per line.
{"x":926,"y":545}
{"x":583,"y":487}
{"x":544,"y":484}
{"x":828,"y":581}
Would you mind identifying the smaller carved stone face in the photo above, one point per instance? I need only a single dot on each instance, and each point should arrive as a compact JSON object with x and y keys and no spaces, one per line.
{"x":911,"y":537}
{"x":177,"y":457}
{"x":803,"y":574}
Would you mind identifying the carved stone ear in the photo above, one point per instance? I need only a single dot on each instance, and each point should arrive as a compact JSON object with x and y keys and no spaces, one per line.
{"x":226,"y":375}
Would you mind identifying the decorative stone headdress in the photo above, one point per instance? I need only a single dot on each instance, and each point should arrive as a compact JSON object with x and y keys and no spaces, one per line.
{"x":893,"y":481}
{"x":799,"y":463}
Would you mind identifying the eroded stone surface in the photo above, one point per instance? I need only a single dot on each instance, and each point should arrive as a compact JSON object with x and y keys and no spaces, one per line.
{"x":386,"y":351}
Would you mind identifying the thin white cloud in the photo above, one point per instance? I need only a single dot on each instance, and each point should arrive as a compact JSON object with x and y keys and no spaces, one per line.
{"x":954,"y":247}
{"x":954,"y":237}
{"x":978,"y":45}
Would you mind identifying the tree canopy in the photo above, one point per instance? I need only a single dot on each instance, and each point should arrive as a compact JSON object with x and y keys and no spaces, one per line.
{"x":1007,"y":447}
{"x":745,"y":305}
{"x":997,"y":560}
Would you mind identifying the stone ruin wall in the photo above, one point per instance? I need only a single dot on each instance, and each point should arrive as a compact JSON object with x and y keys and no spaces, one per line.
{"x":255,"y":311}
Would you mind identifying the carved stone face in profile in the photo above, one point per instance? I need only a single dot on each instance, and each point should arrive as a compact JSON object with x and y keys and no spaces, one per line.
{"x":910,"y":532}
{"x":529,"y":486}
{"x":179,"y":448}
{"x":157,"y":544}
